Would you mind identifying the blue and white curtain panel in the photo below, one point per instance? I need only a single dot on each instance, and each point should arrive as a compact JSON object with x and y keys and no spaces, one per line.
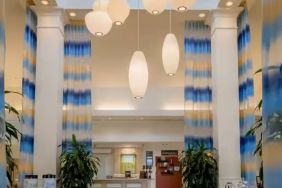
{"x":3,"y":182}
{"x":28,"y":91}
{"x":247,"y":106}
{"x":77,"y":116}
{"x":272,"y":93}
{"x":198,"y":92}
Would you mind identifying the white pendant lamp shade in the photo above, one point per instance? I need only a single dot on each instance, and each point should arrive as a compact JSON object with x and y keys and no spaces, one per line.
{"x":155,"y":6}
{"x":182,"y":5}
{"x":170,"y":54}
{"x":98,"y":22}
{"x":138,"y":75}
{"x":118,"y":11}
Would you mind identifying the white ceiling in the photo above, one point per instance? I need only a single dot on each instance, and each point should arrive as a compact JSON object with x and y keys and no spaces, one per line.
{"x":87,"y":4}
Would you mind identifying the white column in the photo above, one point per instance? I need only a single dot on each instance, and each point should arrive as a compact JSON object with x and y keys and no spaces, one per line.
{"x":225,"y":87}
{"x":49,"y":90}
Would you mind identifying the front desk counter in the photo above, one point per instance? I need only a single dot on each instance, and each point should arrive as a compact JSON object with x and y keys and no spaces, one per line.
{"x":122,"y":183}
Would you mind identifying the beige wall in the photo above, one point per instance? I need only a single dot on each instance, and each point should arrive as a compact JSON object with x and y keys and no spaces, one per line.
{"x":15,"y":23}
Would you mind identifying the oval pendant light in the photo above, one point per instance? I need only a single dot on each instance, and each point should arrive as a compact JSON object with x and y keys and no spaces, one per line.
{"x":98,"y":22}
{"x":170,"y":54}
{"x":155,"y":7}
{"x":138,"y":75}
{"x":138,"y":70}
{"x":182,"y":5}
{"x":118,"y":11}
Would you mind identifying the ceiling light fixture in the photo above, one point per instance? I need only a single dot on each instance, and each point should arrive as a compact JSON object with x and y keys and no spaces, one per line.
{"x":202,"y":15}
{"x":182,"y":5}
{"x":72,"y":14}
{"x":170,"y":52}
{"x":229,"y":3}
{"x":138,"y":70}
{"x":44,"y":2}
{"x":155,"y":7}
{"x":118,"y":11}
{"x":98,"y":22}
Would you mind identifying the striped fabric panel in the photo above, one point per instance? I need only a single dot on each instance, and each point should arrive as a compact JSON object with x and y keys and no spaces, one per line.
{"x":272,"y":93}
{"x":77,"y":116}
{"x":28,"y":91}
{"x":246,"y":94}
{"x":3,"y":182}
{"x":198,"y":92}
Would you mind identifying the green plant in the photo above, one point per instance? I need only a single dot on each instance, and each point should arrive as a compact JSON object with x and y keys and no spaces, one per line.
{"x":11,"y":133}
{"x":78,"y":166}
{"x":199,"y":168}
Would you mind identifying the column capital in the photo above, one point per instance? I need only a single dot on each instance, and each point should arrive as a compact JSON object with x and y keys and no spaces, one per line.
{"x":50,"y":17}
{"x":224,"y":18}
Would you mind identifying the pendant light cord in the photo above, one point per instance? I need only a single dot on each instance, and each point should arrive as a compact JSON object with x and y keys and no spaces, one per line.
{"x":138,"y":27}
{"x":170,"y":20}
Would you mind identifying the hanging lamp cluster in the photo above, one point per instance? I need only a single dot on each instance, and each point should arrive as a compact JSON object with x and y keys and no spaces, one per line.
{"x":107,"y":12}
{"x":99,"y":23}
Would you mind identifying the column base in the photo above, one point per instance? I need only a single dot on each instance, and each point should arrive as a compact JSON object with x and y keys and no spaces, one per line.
{"x":224,"y":181}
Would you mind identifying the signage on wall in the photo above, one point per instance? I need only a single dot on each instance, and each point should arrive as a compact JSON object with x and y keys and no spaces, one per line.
{"x":169,"y":152}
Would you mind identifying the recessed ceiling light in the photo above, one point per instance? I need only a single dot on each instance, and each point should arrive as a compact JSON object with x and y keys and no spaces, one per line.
{"x":72,"y":14}
{"x":44,"y":2}
{"x":171,"y":74}
{"x":155,"y":12}
{"x":99,"y":34}
{"x":138,"y":97}
{"x":118,"y":23}
{"x":202,"y":15}
{"x":182,"y":9}
{"x":229,"y":3}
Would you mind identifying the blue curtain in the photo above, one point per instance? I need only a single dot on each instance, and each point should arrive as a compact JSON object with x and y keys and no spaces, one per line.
{"x":3,"y":182}
{"x":246,"y":94}
{"x":28,"y":91}
{"x":77,"y":118}
{"x":272,"y":93}
{"x":198,"y":92}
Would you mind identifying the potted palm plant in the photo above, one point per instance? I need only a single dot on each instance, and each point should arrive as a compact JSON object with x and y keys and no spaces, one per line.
{"x":199,"y":168}
{"x":78,"y":166}
{"x":12,"y":133}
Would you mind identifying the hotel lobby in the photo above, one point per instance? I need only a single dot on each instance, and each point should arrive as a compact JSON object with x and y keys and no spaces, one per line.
{"x":141,"y":93}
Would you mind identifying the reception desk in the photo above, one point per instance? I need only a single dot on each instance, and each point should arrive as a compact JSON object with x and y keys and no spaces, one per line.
{"x":122,"y":183}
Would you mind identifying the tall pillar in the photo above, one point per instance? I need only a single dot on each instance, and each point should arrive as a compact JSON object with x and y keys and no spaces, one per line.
{"x":49,"y":90}
{"x":225,"y":87}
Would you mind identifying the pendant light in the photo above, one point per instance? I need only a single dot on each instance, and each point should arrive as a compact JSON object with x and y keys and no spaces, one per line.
{"x":138,"y":70}
{"x":182,"y":5}
{"x":155,"y":7}
{"x":98,"y":21}
{"x":170,"y":52}
{"x":118,"y":11}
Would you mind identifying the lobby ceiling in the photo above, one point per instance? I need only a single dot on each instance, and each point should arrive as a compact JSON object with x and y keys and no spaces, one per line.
{"x":111,"y":57}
